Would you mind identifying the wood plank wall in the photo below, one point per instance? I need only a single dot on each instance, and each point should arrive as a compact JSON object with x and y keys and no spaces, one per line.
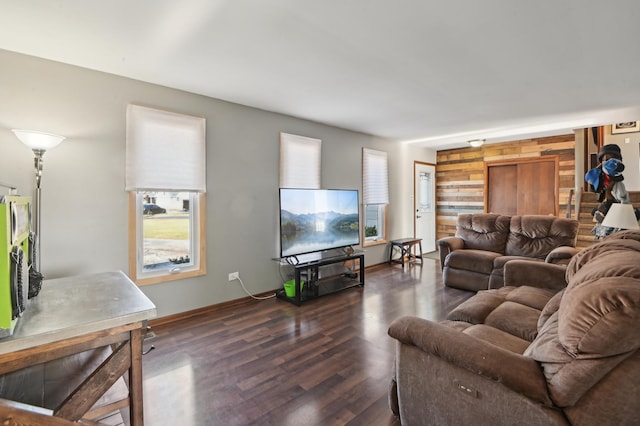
{"x":460,"y":175}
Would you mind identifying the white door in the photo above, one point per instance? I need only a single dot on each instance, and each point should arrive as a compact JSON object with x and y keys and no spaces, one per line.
{"x":424,"y":190}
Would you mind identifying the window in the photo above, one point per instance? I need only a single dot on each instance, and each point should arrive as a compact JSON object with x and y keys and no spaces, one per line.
{"x":299,"y":161}
{"x":165,"y":177}
{"x":375,"y":216}
{"x":375,"y":188}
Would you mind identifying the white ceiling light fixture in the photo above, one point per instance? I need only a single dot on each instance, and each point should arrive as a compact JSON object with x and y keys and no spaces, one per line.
{"x":476,"y":143}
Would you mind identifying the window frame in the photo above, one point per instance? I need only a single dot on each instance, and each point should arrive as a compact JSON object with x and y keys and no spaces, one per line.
{"x":136,"y":244}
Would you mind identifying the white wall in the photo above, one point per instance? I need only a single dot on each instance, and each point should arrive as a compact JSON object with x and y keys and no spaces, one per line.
{"x":629,"y":144}
{"x":84,"y":206}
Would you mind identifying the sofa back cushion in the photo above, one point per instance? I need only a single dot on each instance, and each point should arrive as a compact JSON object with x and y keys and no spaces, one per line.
{"x":599,"y":314}
{"x":536,"y":235}
{"x":483,"y":231}
{"x":595,"y":324}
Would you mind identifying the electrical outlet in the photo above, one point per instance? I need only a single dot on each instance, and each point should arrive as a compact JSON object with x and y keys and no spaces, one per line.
{"x":234,"y":276}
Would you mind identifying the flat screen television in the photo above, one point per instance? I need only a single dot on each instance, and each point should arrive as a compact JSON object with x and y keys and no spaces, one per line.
{"x":314,"y":220}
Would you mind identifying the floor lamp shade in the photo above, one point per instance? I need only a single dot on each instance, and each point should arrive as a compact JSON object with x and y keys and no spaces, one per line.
{"x":38,"y":140}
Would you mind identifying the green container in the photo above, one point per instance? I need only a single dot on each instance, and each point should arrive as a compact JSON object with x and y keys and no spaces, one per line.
{"x":290,"y":288}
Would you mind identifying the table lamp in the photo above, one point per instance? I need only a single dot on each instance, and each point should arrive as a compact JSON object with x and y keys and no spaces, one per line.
{"x":621,"y":216}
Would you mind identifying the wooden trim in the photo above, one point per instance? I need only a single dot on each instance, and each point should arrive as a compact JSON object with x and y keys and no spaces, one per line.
{"x":376,"y":242}
{"x":485,"y":189}
{"x":600,"y":137}
{"x":133,"y":224}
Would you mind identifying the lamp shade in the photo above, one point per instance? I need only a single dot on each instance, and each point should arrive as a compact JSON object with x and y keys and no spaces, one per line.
{"x":476,"y":143}
{"x":621,"y":216}
{"x":38,"y":140}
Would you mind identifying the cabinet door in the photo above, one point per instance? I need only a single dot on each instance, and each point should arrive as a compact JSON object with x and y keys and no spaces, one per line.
{"x":522,"y":187}
{"x":536,"y":188}
{"x":502,"y":180}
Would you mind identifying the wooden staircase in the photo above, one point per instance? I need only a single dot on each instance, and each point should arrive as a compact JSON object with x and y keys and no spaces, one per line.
{"x":588,"y":202}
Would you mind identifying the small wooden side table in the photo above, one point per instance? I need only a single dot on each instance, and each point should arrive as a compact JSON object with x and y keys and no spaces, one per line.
{"x":407,"y":247}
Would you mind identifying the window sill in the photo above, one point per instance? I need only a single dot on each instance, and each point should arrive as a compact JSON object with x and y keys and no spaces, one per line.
{"x":374,"y":243}
{"x":169,"y":277}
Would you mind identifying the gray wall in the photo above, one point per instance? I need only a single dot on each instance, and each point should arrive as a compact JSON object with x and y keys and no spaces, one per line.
{"x":84,"y":221}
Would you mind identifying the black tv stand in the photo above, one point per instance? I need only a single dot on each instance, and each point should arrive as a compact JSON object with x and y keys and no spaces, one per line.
{"x":325,"y":275}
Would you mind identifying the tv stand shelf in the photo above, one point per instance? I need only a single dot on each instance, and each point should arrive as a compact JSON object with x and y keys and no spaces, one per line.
{"x":325,"y":276}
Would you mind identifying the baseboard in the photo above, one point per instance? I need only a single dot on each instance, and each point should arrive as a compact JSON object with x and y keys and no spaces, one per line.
{"x":157,"y":322}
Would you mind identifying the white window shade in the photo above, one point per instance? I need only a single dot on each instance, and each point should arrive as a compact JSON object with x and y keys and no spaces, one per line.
{"x":165,"y":151}
{"x":375,"y":184}
{"x":300,"y":159}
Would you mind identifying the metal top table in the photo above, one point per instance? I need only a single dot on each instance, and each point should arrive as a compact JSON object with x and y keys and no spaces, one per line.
{"x":71,"y":315}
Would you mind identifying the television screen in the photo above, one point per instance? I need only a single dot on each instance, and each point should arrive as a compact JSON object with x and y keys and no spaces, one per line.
{"x":313,"y":220}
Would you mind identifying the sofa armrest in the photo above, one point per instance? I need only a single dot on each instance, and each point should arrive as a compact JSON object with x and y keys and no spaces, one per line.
{"x":448,"y":244}
{"x":561,"y":255}
{"x":534,"y":274}
{"x":517,"y":372}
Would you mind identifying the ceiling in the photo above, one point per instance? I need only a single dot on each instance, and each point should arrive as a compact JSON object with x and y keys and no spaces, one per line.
{"x":437,"y":73}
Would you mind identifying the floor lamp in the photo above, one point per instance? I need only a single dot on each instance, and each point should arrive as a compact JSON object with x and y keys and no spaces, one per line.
{"x":39,"y":142}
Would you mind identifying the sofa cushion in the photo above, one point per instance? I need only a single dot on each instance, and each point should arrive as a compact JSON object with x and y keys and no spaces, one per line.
{"x":601,"y":318}
{"x":476,"y":309}
{"x":472,"y":260}
{"x":536,"y":235}
{"x":498,"y":337}
{"x":550,"y":308}
{"x":513,"y":310}
{"x":516,"y":319}
{"x":568,"y":378}
{"x":465,"y":280}
{"x":483,"y":232}
{"x":534,"y":297}
{"x":600,"y":310}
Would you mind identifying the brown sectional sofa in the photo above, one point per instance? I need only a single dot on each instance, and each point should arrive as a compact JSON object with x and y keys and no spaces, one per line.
{"x":533,"y":352}
{"x":474,"y":258}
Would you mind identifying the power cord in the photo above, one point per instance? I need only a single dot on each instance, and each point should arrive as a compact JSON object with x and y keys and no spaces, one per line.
{"x":251,"y":295}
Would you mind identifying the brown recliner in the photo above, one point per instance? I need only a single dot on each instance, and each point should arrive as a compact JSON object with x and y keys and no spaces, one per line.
{"x":474,"y":258}
{"x":532,"y":352}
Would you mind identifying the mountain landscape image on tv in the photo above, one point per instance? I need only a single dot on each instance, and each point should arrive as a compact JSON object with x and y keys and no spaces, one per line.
{"x":313,"y":220}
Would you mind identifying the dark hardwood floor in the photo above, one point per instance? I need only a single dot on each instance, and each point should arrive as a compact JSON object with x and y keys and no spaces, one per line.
{"x":327,"y":362}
